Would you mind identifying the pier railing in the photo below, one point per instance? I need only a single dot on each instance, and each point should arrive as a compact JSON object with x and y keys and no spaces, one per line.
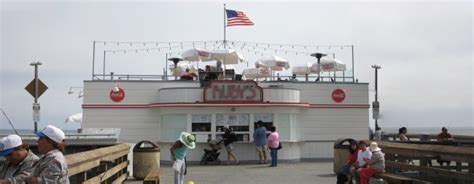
{"x":103,"y":165}
{"x":419,"y":161}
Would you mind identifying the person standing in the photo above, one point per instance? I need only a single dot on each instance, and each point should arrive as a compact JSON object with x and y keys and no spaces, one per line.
{"x":19,"y":160}
{"x":229,"y":139}
{"x":260,"y":139}
{"x":273,"y":144}
{"x":378,"y":133}
{"x":178,"y":152}
{"x":376,"y":164}
{"x":402,"y":134}
{"x":444,"y":136}
{"x":52,"y":167}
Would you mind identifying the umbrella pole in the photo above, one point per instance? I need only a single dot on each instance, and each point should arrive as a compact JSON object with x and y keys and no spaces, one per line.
{"x":224,"y":70}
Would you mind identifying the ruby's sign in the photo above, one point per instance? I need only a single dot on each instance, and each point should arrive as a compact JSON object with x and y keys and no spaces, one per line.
{"x":338,"y":95}
{"x":233,"y":91}
{"x":117,"y":96}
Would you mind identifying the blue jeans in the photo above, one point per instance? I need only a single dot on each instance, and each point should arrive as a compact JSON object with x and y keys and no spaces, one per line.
{"x":274,"y":155}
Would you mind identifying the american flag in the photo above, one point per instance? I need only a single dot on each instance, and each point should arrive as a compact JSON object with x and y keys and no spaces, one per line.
{"x":237,"y":18}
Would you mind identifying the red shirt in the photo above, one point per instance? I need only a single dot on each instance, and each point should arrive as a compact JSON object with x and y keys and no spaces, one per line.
{"x":442,"y":136}
{"x":353,"y":157}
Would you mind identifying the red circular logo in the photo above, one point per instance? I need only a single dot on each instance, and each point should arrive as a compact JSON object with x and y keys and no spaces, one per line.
{"x":338,"y":95}
{"x":117,"y":96}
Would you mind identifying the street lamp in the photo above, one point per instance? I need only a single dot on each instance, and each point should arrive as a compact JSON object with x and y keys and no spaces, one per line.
{"x":375,"y":104}
{"x":319,"y":56}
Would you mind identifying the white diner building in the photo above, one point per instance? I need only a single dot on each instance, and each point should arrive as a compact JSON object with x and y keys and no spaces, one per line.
{"x":309,"y":116}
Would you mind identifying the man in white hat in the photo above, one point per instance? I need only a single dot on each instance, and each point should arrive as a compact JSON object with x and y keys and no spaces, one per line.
{"x":20,"y":160}
{"x":376,"y":164}
{"x":178,"y":152}
{"x":52,"y":167}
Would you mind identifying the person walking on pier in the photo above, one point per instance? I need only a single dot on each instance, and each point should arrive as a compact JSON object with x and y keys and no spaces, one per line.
{"x":52,"y":167}
{"x":376,"y":164}
{"x":19,"y":160}
{"x":178,"y":152}
{"x":273,"y":145}
{"x":229,"y":139}
{"x":260,"y":139}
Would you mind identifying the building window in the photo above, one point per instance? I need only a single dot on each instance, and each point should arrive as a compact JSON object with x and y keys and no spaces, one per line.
{"x":267,"y":120}
{"x":171,"y":126}
{"x":239,"y":123}
{"x":201,"y":127}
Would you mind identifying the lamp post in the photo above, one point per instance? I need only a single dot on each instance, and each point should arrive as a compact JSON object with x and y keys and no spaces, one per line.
{"x":319,"y":56}
{"x":375,"y":104}
{"x":36,"y":106}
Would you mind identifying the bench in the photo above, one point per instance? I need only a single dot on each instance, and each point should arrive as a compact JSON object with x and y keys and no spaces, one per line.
{"x":399,"y":179}
{"x":153,"y":177}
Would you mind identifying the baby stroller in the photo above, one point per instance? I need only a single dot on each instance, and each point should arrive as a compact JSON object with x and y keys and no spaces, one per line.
{"x":212,"y":155}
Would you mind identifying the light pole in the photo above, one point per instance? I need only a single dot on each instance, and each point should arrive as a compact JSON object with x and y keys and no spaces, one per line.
{"x":36,"y":106}
{"x":375,"y":104}
{"x":319,"y":56}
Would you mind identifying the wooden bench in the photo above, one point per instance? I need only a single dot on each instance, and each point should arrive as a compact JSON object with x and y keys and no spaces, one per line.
{"x":153,"y":177}
{"x":399,"y":179}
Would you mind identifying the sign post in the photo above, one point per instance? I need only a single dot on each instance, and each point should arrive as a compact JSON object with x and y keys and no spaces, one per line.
{"x":36,"y":88}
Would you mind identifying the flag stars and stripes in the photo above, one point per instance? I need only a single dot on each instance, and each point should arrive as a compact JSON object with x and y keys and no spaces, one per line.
{"x":237,"y":18}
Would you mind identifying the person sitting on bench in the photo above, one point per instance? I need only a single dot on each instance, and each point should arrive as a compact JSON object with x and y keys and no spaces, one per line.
{"x":375,"y":165}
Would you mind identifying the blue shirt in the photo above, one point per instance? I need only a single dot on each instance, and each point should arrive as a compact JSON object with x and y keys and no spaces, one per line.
{"x":260,"y":136}
{"x":180,"y":153}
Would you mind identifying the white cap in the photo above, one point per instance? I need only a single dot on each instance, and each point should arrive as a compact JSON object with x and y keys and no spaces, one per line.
{"x":53,"y":133}
{"x":9,"y":143}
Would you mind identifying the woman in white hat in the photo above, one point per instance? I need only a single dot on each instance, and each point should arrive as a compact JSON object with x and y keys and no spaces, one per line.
{"x":52,"y":167}
{"x":376,"y":164}
{"x":19,"y":160}
{"x":178,"y":152}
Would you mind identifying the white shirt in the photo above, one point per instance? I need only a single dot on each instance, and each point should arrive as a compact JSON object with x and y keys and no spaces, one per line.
{"x":361,"y":155}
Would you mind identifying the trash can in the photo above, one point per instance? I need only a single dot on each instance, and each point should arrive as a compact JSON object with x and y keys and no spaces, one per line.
{"x":341,"y":153}
{"x":145,"y":159}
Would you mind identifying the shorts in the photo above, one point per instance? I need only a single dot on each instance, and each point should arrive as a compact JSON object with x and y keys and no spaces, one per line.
{"x":229,"y":147}
{"x":261,"y":147}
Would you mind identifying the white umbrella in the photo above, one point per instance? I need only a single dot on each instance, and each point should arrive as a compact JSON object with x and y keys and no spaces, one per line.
{"x":332,"y":65}
{"x":227,"y":56}
{"x":196,"y":54}
{"x":254,"y":73}
{"x":75,"y":118}
{"x":302,"y":70}
{"x":276,"y":63}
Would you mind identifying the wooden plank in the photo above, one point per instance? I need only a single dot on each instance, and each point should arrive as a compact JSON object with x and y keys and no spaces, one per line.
{"x":79,"y":158}
{"x":121,"y":178}
{"x":113,"y":157}
{"x":107,"y":174}
{"x":399,"y":179}
{"x":73,"y":170}
{"x":153,"y":177}
{"x":430,"y":170}
{"x":452,"y":153}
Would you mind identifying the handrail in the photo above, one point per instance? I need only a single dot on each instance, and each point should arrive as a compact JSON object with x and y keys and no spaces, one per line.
{"x":113,"y":158}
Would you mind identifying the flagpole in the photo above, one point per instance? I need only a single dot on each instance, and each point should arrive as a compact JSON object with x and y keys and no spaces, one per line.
{"x":225,"y":42}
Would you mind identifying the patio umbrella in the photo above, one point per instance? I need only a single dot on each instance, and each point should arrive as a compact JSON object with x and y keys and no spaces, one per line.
{"x":276,"y":63}
{"x":255,"y":73}
{"x":196,"y":54}
{"x":302,"y":70}
{"x":227,"y":57}
{"x":332,"y":65}
{"x":181,"y":68}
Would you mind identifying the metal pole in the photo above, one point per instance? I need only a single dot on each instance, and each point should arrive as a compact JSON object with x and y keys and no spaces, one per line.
{"x":353,"y":77}
{"x":166,"y":67}
{"x":225,"y":42}
{"x":36,"y":93}
{"x":103,"y":69}
{"x":319,"y":71}
{"x":93,"y":59}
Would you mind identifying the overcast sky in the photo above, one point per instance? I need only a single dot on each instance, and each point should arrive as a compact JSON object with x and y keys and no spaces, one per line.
{"x":425,"y":49}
